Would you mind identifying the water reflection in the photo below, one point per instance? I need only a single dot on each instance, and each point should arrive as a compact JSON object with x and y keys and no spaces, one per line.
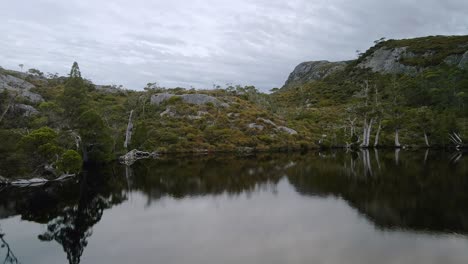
{"x":69,"y":209}
{"x":7,"y":251}
{"x":423,"y":191}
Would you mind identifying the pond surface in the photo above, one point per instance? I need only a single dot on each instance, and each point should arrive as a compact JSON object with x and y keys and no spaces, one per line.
{"x":328,"y":207}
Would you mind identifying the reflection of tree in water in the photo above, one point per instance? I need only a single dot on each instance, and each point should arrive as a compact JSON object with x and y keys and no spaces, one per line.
{"x":410,"y":190}
{"x":395,"y":190}
{"x":73,"y":226}
{"x":197,"y":176}
{"x":9,"y":255}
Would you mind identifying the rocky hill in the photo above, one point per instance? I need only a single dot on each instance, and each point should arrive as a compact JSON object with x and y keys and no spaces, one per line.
{"x":407,"y":56}
{"x":313,"y":71}
{"x":411,"y":90}
{"x":399,"y":93}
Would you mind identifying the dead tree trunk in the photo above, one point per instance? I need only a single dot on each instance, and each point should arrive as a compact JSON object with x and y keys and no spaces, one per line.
{"x":364,"y":134}
{"x":397,"y":139}
{"x":426,"y":139}
{"x":456,"y":139}
{"x":128,"y":133}
{"x":377,"y":135}
{"x":369,"y":128}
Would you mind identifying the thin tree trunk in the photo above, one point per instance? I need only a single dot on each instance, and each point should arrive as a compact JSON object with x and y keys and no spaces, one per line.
{"x":397,"y":139}
{"x":376,"y":141}
{"x":369,"y":128}
{"x":364,"y":134}
{"x":128,"y":134}
{"x":426,"y":139}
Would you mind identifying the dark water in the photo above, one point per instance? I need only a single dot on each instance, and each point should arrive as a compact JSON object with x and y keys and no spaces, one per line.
{"x":330,"y":207}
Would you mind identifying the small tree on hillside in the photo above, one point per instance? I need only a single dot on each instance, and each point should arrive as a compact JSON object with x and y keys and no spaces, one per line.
{"x":74,"y":94}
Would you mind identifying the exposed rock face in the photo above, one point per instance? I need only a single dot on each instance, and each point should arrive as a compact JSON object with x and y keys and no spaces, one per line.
{"x":198,"y":99}
{"x":255,"y":126}
{"x":386,"y":61}
{"x":460,"y":61}
{"x":464,"y":61}
{"x":157,"y":99}
{"x":313,"y":71}
{"x":20,"y":86}
{"x":287,"y":130}
{"x":267,"y":121}
{"x":26,"y":110}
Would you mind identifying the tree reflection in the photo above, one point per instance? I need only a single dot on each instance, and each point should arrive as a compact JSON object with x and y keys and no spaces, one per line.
{"x":9,"y":255}
{"x":73,"y":227}
{"x":414,"y":190}
{"x":426,"y":191}
{"x":190,"y":176}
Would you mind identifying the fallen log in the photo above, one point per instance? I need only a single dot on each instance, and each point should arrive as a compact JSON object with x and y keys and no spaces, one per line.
{"x":33,"y":182}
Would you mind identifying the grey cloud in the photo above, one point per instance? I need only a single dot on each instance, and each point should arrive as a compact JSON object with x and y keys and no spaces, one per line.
{"x":201,"y":42}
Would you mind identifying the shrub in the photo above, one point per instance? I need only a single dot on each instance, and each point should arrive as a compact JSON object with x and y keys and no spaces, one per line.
{"x":70,"y":162}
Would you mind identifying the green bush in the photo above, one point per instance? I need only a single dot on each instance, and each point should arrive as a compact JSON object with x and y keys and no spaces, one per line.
{"x":70,"y":162}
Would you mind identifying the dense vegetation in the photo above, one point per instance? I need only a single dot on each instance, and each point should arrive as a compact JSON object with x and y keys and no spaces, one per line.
{"x":78,"y":121}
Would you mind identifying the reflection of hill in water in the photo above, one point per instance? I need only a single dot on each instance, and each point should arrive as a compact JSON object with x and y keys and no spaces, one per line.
{"x":397,"y":190}
{"x":410,"y":190}
{"x":415,"y":194}
{"x":207,"y":175}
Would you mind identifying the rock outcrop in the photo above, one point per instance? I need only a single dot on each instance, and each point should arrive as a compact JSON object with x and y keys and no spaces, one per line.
{"x":313,"y":71}
{"x":20,"y":86}
{"x":11,"y":83}
{"x":284,"y":129}
{"x":387,"y":61}
{"x":197,"y":99}
{"x":408,"y":56}
{"x":26,"y":110}
{"x":460,"y":60}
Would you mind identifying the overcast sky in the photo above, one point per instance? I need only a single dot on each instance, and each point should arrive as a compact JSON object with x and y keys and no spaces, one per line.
{"x":204,"y":42}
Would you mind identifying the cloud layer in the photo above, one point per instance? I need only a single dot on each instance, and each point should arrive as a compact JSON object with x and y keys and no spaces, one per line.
{"x":204,"y":42}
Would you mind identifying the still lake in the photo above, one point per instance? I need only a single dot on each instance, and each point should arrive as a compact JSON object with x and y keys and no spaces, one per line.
{"x":314,"y":207}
